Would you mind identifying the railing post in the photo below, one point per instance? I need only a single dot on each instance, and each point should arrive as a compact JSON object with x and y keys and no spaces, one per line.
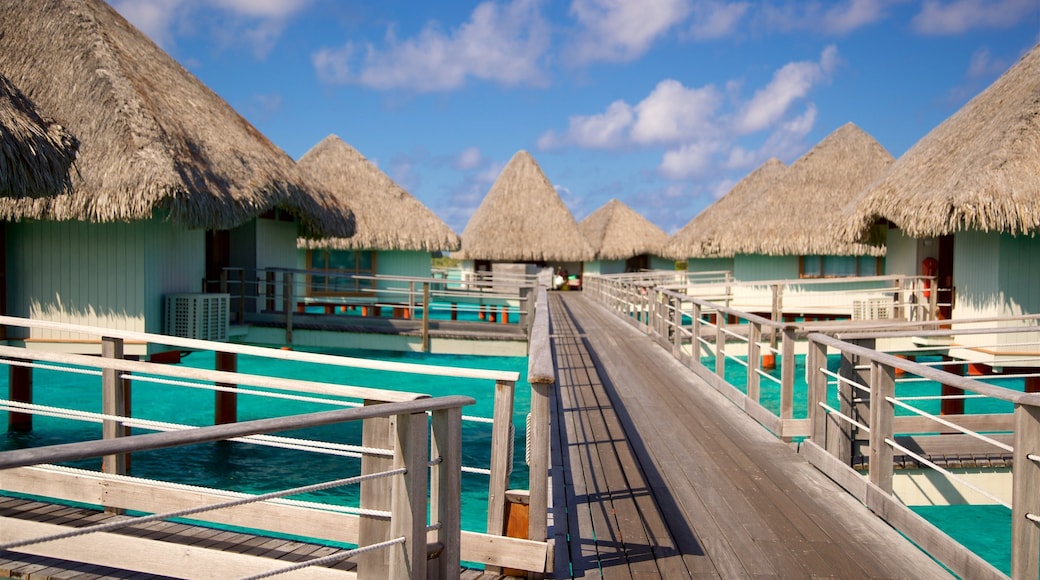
{"x":787,"y":365}
{"x":408,"y":497}
{"x":815,"y":360}
{"x":677,"y":326}
{"x":375,"y":495}
{"x":446,"y":488}
{"x":720,"y":343}
{"x":882,"y":412}
{"x":501,"y":447}
{"x":20,"y":389}
{"x":541,"y":374}
{"x":290,"y":305}
{"x":225,"y":407}
{"x":1025,"y":534}
{"x":695,"y":332}
{"x":114,"y":401}
{"x":754,"y":360}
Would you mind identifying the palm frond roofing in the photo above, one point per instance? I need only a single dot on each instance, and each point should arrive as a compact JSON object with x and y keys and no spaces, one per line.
{"x":699,"y":237}
{"x":797,"y":213}
{"x":523,"y":219}
{"x":386,"y":216}
{"x":36,"y":153}
{"x":978,"y":170}
{"x":617,"y":232}
{"x":154,"y":139}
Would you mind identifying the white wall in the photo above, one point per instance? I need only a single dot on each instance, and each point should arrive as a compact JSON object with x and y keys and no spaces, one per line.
{"x":111,"y":275}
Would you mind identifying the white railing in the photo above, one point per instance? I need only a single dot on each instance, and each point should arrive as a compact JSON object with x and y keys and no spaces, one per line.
{"x":117,"y":373}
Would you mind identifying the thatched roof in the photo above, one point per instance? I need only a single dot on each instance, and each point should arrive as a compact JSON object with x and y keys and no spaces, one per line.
{"x":154,"y":139}
{"x":795,"y":215}
{"x":35,"y":152}
{"x":523,"y":219}
{"x":617,"y":232}
{"x":386,"y":216}
{"x":978,"y":170}
{"x":699,"y":237}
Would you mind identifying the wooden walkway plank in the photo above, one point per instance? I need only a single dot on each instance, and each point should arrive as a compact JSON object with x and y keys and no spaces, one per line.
{"x":729,"y":488}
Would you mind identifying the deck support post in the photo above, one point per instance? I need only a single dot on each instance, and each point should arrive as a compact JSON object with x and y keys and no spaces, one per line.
{"x":753,"y":361}
{"x":225,"y":407}
{"x":115,"y":400}
{"x":720,"y":344}
{"x":375,"y":495}
{"x":289,"y":299}
{"x":20,"y":389}
{"x":1025,"y":534}
{"x":426,"y":317}
{"x":952,"y":406}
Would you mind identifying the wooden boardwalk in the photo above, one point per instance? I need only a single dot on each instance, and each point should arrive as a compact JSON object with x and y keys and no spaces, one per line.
{"x":658,"y":475}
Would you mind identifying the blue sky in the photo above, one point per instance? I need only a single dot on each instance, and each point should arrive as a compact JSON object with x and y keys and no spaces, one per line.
{"x":662,"y":104}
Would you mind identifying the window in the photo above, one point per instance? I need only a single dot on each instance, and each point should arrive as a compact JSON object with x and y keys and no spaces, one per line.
{"x":337,"y":271}
{"x":838,"y":266}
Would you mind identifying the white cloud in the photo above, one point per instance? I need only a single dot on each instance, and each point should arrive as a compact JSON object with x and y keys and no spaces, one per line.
{"x":499,"y":43}
{"x":673,"y":112}
{"x":833,"y":18}
{"x":942,"y":18}
{"x":469,"y":158}
{"x":689,"y":160}
{"x":790,"y":83}
{"x":712,"y":20}
{"x":605,"y":130}
{"x":622,"y":30}
{"x":153,"y":17}
{"x":256,"y":24}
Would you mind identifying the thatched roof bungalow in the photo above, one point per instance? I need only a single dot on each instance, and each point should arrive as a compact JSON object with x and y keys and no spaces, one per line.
{"x":968,"y":195}
{"x":36,"y":153}
{"x":697,"y":242}
{"x":623,"y":240}
{"x":171,"y":184}
{"x":522,"y":220}
{"x":784,"y":234}
{"x":395,"y":235}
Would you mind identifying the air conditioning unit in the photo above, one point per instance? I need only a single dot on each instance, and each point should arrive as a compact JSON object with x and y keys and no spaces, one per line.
{"x":872,"y":309}
{"x":198,"y":316}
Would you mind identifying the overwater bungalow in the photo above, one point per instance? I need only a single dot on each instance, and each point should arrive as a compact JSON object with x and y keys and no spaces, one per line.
{"x":624,"y":241}
{"x":697,"y":242}
{"x":523,"y":221}
{"x":171,"y":184}
{"x":784,"y":233}
{"x":963,"y":203}
{"x":395,"y":234}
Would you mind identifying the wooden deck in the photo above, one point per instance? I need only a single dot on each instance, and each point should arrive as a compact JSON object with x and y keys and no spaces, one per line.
{"x":658,"y":475}
{"x":15,"y":564}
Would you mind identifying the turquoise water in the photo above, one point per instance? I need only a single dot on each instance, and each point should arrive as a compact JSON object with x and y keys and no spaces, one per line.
{"x":258,"y":469}
{"x":984,"y":529}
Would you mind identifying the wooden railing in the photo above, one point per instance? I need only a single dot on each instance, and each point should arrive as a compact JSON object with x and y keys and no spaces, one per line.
{"x":867,"y":400}
{"x":836,"y":433}
{"x":117,"y":373}
{"x":288,"y":292}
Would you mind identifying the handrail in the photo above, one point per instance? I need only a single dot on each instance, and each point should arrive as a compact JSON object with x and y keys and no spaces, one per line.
{"x":166,"y":439}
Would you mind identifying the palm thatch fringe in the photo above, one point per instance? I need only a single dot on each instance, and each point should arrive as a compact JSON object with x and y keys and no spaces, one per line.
{"x":699,"y":237}
{"x":154,"y":139}
{"x":523,"y":219}
{"x":978,"y":170}
{"x":387,"y":217}
{"x":617,"y":232}
{"x":795,"y":215}
{"x":36,"y":153}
